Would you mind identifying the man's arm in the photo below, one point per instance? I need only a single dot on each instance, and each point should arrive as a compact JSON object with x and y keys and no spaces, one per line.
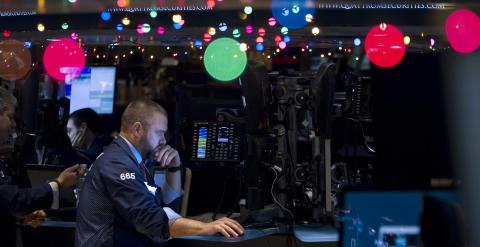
{"x":19,"y":200}
{"x":187,"y":227}
{"x":14,"y":199}
{"x":168,"y":157}
{"x":174,"y":180}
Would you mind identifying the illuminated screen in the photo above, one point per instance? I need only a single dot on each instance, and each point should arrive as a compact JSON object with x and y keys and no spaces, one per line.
{"x":93,"y":88}
{"x":223,"y":134}
{"x":202,"y":142}
{"x":386,"y":218}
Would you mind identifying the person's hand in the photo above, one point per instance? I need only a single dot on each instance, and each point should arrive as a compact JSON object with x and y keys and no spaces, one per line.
{"x":78,"y":139}
{"x":34,"y":219}
{"x":226,"y":226}
{"x":70,"y":176}
{"x":167,"y":157}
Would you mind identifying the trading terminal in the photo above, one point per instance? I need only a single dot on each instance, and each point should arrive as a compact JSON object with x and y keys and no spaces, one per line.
{"x":307,"y":123}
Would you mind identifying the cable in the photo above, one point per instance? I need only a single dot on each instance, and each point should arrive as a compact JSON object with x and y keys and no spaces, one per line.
{"x":214,"y":216}
{"x":275,"y":198}
{"x":237,"y":198}
{"x":365,"y":142}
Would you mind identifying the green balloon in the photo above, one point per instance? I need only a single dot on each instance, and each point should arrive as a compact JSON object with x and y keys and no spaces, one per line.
{"x":224,"y":60}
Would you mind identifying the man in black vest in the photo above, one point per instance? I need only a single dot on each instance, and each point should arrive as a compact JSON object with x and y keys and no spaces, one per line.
{"x":119,"y":207}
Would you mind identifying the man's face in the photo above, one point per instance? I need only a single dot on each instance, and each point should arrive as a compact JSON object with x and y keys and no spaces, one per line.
{"x":154,"y":135}
{"x":71,"y":129}
{"x":7,"y":123}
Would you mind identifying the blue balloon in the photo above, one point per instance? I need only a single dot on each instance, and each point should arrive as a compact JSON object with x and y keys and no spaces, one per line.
{"x":286,"y":39}
{"x":291,"y":13}
{"x":119,"y":27}
{"x":105,"y":15}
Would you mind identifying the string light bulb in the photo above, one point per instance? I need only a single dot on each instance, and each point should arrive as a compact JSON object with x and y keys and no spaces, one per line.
{"x":243,"y":47}
{"x":176,"y":18}
{"x":40,"y":27}
{"x":272,"y":21}
{"x":248,"y":10}
{"x":125,"y":21}
{"x":406,"y":40}
{"x":212,"y":31}
{"x":308,"y":18}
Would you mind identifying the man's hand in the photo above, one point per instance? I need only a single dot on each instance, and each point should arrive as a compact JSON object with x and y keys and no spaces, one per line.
{"x":166,"y":156}
{"x":34,"y":219}
{"x":226,"y":226}
{"x":70,"y":176}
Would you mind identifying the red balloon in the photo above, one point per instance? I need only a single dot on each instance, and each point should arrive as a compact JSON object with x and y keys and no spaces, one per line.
{"x":64,"y":58}
{"x":15,"y":60}
{"x":384,"y":45}
{"x":463,"y":31}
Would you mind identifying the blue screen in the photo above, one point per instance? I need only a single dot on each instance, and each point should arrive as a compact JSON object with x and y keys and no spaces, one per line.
{"x":94,"y":88}
{"x":223,"y":134}
{"x":386,"y":218}
{"x":202,"y":142}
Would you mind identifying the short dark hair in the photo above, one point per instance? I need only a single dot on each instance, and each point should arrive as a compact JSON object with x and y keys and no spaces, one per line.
{"x":89,"y":117}
{"x":140,"y":111}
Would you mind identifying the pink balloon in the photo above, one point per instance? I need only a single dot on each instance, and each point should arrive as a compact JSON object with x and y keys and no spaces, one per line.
{"x":463,"y":30}
{"x":384,"y":45}
{"x":64,"y":59}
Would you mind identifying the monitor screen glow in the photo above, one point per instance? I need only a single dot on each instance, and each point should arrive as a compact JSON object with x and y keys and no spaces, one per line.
{"x":94,"y":88}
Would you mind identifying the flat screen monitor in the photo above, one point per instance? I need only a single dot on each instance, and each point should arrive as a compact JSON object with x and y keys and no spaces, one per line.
{"x":94,"y":88}
{"x":387,"y":218}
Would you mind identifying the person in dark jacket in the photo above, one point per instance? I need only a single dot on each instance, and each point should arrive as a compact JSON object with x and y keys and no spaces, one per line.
{"x":16,"y":201}
{"x":119,"y":207}
{"x":85,"y":132}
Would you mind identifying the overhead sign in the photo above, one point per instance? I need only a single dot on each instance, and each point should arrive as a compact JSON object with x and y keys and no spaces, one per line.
{"x":412,"y":5}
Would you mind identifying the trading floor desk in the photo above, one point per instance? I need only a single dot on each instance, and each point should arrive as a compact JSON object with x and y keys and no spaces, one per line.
{"x":61,"y":233}
{"x":302,"y":236}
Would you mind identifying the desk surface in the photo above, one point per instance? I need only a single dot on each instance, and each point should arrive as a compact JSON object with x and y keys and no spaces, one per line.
{"x":249,"y":234}
{"x":62,"y":224}
{"x":307,"y":234}
{"x":316,"y":234}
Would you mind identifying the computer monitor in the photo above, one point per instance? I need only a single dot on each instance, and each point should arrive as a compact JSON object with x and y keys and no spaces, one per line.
{"x":94,"y":88}
{"x":395,"y":218}
{"x":41,"y":174}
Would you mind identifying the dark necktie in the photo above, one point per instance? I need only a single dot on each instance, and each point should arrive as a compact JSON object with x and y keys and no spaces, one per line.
{"x":146,"y":173}
{"x":144,"y":170}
